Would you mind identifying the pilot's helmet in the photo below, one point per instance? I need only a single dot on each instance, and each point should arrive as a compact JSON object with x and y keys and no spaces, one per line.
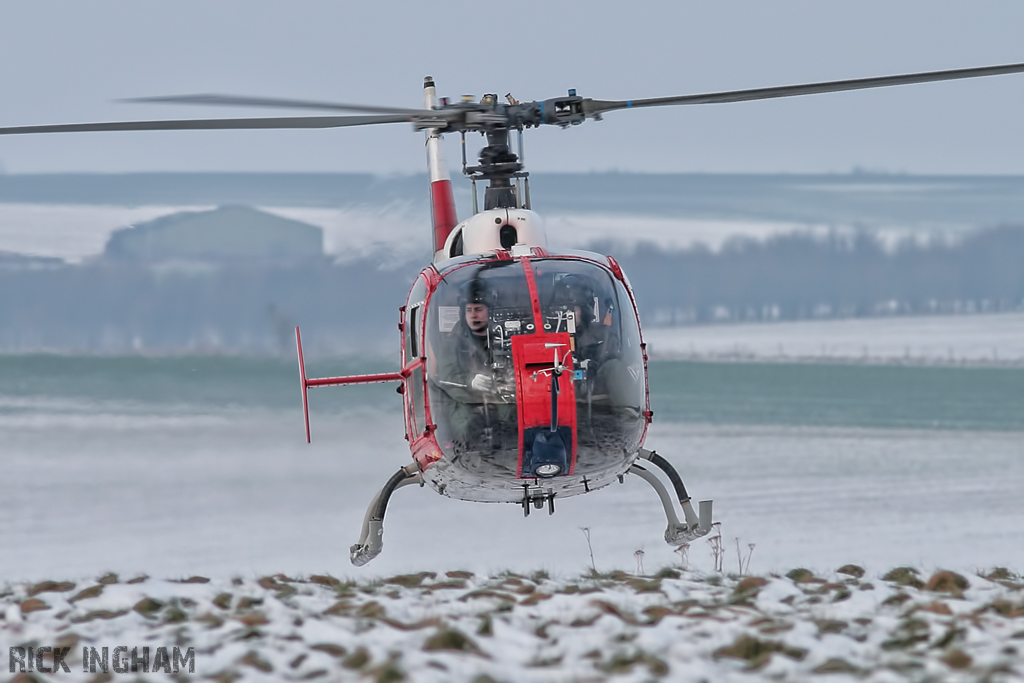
{"x":475,"y":292}
{"x":575,"y":290}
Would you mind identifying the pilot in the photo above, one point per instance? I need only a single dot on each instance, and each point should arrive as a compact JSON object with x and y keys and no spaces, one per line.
{"x":465,"y":366}
{"x":597,"y":344}
{"x":592,"y":318}
{"x":465,"y":371}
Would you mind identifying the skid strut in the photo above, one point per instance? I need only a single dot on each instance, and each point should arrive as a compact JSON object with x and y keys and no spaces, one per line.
{"x":371,"y":538}
{"x":694,"y":525}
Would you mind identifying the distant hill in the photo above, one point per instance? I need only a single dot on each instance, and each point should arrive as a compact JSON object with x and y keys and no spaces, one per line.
{"x":15,"y":261}
{"x":863,"y":199}
{"x":198,"y":189}
{"x":229,"y":233}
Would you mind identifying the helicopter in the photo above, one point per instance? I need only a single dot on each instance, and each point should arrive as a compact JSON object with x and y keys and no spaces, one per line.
{"x":523,"y":370}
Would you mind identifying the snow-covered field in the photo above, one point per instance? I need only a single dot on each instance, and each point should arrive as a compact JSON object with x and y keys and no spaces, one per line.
{"x":674,"y":625}
{"x":988,"y":338}
{"x":91,"y":484}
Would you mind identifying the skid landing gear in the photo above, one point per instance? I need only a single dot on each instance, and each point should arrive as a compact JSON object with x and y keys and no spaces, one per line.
{"x":694,"y":525}
{"x":371,"y":539}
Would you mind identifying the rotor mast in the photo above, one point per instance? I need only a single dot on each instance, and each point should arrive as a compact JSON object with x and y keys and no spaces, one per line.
{"x":498,"y":166}
{"x":497,"y":163}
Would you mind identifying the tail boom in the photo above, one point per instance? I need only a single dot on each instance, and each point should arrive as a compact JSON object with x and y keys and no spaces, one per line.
{"x":307,"y":382}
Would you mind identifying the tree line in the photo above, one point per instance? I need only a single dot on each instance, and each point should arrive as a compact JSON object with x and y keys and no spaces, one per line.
{"x":841,"y":274}
{"x":110,"y":307}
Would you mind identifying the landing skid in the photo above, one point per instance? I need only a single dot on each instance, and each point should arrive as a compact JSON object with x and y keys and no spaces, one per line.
{"x":694,"y":526}
{"x":371,"y":538}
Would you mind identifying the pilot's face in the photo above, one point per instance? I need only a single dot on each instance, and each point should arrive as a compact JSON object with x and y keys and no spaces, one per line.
{"x":476,"y":318}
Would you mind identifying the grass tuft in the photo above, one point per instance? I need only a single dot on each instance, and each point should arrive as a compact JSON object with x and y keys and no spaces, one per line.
{"x":452,"y":640}
{"x":358,"y":659}
{"x":957,"y":659}
{"x":904,"y":576}
{"x":50,"y":587}
{"x":147,"y":607}
{"x":757,"y":653}
{"x":800,"y":575}
{"x":851,"y":570}
{"x":90,"y":592}
{"x":325,"y":580}
{"x":837,"y":665}
{"x":947,"y":582}
{"x":410,"y":580}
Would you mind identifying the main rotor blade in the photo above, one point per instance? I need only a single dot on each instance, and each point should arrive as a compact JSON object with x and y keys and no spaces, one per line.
{"x":281,"y":122}
{"x":598,"y":106}
{"x":239,"y":101}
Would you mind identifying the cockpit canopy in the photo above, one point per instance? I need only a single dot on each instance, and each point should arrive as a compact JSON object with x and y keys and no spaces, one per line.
{"x":470,"y":323}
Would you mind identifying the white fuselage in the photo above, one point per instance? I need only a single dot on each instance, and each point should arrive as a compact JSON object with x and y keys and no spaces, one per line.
{"x":482,"y":233}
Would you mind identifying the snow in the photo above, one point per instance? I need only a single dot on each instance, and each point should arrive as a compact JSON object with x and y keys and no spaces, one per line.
{"x":680,"y":625}
{"x":994,"y":338}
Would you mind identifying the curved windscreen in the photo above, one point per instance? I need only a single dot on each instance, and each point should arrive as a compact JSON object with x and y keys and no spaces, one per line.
{"x":474,"y":313}
{"x":472,"y":318}
{"x":584,"y":299}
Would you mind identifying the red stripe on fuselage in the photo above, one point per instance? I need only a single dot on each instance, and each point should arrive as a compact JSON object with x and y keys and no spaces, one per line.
{"x":533,"y":411}
{"x":442,"y":206}
{"x":533,"y":362}
{"x":531,"y":285}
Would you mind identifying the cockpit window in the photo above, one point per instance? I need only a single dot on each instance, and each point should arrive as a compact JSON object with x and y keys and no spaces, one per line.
{"x":474,"y":314}
{"x":487,"y":304}
{"x":583,"y":299}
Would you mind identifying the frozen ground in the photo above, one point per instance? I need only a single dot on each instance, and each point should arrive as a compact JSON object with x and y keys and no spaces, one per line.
{"x":988,"y":338}
{"x":177,"y":468}
{"x":679,"y":626}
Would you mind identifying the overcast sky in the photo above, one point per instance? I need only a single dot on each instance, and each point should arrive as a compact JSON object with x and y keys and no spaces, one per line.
{"x":66,"y":61}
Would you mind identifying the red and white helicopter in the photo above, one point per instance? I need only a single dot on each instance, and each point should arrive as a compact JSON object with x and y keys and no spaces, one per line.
{"x":523,"y":370}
